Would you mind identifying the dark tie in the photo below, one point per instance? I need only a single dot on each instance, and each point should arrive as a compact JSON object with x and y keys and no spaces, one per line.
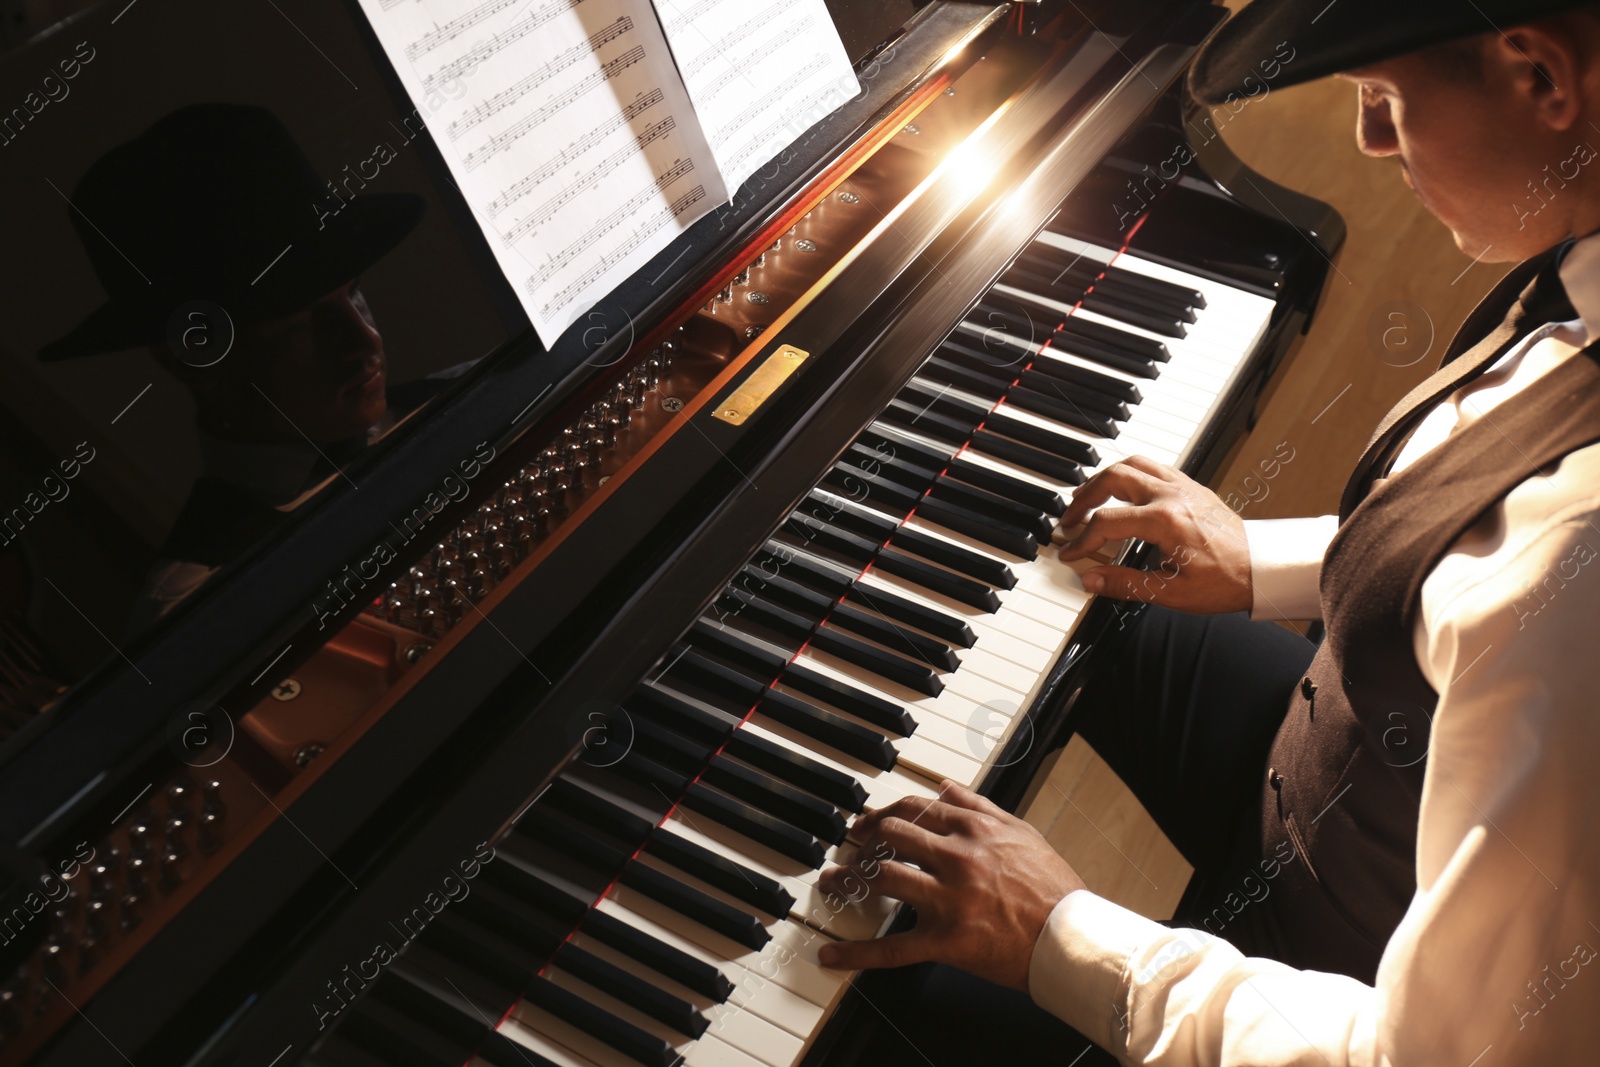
{"x":1543,"y":300}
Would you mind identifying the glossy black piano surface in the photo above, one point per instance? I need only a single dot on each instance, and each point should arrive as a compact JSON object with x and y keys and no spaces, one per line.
{"x":526,"y":628}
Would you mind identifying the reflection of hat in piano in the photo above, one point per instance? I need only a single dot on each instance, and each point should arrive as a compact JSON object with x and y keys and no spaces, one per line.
{"x":217,"y":203}
{"x":1273,"y":43}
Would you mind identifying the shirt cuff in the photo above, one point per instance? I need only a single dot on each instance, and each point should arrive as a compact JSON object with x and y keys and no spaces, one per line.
{"x":1079,"y":969}
{"x":1286,"y":565}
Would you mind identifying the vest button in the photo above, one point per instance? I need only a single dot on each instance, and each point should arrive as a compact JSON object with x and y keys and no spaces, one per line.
{"x":1308,"y":688}
{"x":1274,"y":779}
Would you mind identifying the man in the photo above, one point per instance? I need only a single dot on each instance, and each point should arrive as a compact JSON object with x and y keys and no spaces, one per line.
{"x":1395,"y":841}
{"x":225,"y":257}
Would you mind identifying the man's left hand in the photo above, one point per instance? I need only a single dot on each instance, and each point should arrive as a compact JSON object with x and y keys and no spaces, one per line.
{"x":982,"y":880}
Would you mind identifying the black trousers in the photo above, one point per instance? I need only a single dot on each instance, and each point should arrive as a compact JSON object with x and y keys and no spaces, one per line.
{"x":1184,"y":710}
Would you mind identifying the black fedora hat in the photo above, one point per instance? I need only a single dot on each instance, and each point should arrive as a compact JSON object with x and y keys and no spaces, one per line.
{"x":1275,"y":43}
{"x":217,"y":203}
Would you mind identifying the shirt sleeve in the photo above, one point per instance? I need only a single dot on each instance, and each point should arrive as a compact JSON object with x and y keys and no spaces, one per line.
{"x":1488,"y":965}
{"x":1286,"y":565}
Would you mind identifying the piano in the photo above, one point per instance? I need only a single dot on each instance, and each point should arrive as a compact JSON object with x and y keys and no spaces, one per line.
{"x":522,"y":737}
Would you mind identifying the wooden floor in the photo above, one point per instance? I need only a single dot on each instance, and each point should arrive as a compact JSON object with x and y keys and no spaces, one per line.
{"x":1396,"y":294}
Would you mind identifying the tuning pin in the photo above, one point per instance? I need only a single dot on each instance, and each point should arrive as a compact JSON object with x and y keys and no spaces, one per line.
{"x":173,"y":837}
{"x":638,"y":392}
{"x":171,"y":876}
{"x":10,"y":1011}
{"x":128,"y":912}
{"x":52,"y":963}
{"x":211,"y":799}
{"x":209,"y":836}
{"x":133,"y":878}
{"x":180,"y":795}
{"x":139,"y":838}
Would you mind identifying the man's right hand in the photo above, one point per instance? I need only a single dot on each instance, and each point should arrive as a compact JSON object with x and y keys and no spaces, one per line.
{"x":1205,"y":561}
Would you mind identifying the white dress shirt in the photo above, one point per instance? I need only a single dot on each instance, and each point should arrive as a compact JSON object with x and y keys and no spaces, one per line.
{"x":1497,"y":960}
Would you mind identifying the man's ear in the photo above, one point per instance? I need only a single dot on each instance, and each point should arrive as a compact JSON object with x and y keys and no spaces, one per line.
{"x":1547,"y":66}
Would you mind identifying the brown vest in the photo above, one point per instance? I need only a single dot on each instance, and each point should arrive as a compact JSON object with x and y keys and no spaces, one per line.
{"x":1345,"y":772}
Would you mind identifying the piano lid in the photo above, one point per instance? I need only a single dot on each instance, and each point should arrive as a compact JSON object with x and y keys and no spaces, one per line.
{"x":236,"y":291}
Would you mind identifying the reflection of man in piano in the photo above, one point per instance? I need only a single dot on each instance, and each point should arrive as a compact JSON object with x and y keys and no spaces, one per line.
{"x":1402,"y":867}
{"x":208,"y":236}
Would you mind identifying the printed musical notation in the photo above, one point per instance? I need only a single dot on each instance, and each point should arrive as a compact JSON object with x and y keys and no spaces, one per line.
{"x":577,"y":53}
{"x":567,"y":129}
{"x":733,"y":52}
{"x":578,"y":145}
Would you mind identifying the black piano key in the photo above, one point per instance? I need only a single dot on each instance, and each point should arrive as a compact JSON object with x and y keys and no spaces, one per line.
{"x":757,"y":825}
{"x":733,"y":878}
{"x":396,"y":1037}
{"x":696,"y":904}
{"x":1024,"y":320}
{"x":1079,"y":394}
{"x":1040,"y":498}
{"x":857,"y":484}
{"x":498,"y":1050}
{"x":716,"y":676}
{"x":941,"y":400}
{"x":916,"y":418}
{"x":795,"y":595}
{"x":912,"y":475}
{"x":1107,"y":300}
{"x":833,"y":785}
{"x":1001,"y":507}
{"x":602,"y":1025}
{"x":1171,"y":305}
{"x":942,"y":625}
{"x":882,"y":436}
{"x":830,"y":728}
{"x":950,"y":373}
{"x":1121,"y":340}
{"x":1106,"y":355}
{"x":958,"y":558}
{"x":336,"y":1050}
{"x":676,"y":964}
{"x":1042,"y":437}
{"x":777,"y":798}
{"x":447,"y":992}
{"x":590,"y":809}
{"x":790,"y":562}
{"x":896,"y":668}
{"x":1065,"y":410}
{"x":995,"y":357}
{"x":738,"y":604}
{"x":842,"y":513}
{"x":955,"y":586}
{"x":1171,"y":290}
{"x":1115,"y":389}
{"x":642,"y":996}
{"x":500,"y":967}
{"x":527,"y":894}
{"x":816,"y":534}
{"x":763,"y":657}
{"x":575,"y":841}
{"x":687,"y":716}
{"x":1027,"y":457}
{"x":846,"y":697}
{"x":927,"y":649}
{"x":992,"y":530}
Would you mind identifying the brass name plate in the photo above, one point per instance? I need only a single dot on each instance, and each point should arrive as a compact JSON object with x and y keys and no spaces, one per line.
{"x":759,"y":387}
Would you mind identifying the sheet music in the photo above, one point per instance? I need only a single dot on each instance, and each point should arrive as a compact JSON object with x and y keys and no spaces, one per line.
{"x":567,"y":130}
{"x":760,"y":74}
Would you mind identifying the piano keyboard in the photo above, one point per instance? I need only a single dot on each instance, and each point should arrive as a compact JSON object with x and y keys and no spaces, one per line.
{"x":892,"y":633}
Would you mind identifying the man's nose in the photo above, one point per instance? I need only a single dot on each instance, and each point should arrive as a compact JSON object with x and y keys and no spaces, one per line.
{"x":350,"y":327}
{"x":1375,"y":132}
